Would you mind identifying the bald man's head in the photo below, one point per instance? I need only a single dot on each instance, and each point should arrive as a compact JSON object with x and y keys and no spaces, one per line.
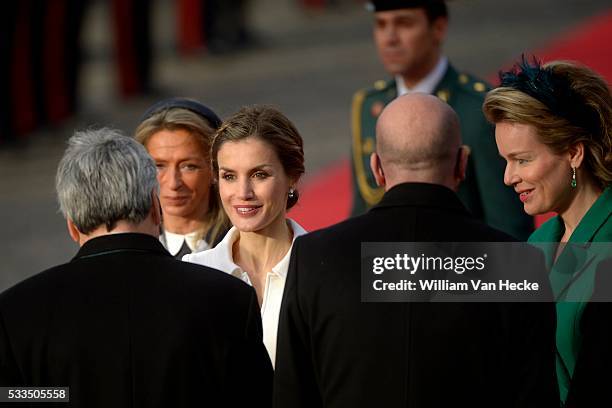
{"x":418,"y":140}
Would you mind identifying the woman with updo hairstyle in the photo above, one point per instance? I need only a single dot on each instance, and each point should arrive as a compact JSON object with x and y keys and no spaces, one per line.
{"x":178,"y":133}
{"x":553,"y":125}
{"x":258,"y":158}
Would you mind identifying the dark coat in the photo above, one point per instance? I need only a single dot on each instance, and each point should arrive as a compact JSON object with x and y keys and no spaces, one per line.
{"x":336,"y":351}
{"x":125,"y":325}
{"x":590,"y":383}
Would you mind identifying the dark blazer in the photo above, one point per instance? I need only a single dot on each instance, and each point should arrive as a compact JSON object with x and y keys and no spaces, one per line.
{"x":125,"y":325}
{"x":590,"y":382}
{"x":336,"y":351}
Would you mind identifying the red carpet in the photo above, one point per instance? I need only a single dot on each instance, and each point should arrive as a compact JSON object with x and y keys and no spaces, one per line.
{"x":325,"y":199}
{"x":326,"y":196}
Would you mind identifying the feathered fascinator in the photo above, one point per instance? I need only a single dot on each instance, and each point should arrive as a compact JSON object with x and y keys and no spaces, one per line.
{"x":553,"y":90}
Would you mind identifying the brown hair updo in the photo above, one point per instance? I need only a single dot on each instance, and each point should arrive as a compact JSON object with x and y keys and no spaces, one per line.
{"x":271,"y":126}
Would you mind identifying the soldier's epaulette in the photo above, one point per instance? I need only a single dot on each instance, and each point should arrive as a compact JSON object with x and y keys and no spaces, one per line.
{"x":472,"y":85}
{"x":378,"y":87}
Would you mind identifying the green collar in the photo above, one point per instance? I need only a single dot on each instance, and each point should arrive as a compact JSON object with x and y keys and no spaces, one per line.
{"x":550,"y":233}
{"x":553,"y":229}
{"x":594,"y":219}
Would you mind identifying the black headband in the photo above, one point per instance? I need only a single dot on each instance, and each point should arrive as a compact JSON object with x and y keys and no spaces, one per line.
{"x":386,"y":5}
{"x":554,"y":90}
{"x":184,"y":103}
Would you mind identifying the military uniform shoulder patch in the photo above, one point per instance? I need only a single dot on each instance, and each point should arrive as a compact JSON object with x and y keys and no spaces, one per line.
{"x":471,"y":84}
{"x":377,"y":108}
{"x":479,"y":87}
{"x":371,"y":101}
{"x":379,"y":90}
{"x":443,"y":94}
{"x":380,"y":84}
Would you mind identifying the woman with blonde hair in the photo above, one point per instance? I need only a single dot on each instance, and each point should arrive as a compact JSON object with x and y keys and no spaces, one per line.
{"x":553,"y":125}
{"x":258,"y":159}
{"x":177,"y":133}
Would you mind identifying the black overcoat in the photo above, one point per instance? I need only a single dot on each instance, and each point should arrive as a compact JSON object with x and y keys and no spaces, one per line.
{"x":126,"y":325}
{"x":336,"y":351}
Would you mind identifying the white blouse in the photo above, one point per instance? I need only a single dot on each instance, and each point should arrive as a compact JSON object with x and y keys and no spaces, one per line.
{"x":220,"y":257}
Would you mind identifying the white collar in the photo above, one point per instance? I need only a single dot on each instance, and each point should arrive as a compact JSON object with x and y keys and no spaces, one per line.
{"x":224,"y":259}
{"x":174,"y":242}
{"x":426,"y":85}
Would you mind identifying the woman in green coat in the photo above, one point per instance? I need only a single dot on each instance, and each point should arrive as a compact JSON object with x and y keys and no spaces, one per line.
{"x":553,"y":125}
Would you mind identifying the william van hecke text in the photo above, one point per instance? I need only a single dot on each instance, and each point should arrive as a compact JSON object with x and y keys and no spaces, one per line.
{"x":446,"y":285}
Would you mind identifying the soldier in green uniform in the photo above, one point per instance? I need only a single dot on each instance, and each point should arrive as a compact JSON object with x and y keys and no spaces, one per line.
{"x":409,"y":35}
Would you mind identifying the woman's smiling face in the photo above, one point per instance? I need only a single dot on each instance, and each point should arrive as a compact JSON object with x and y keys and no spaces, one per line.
{"x":541,"y":177}
{"x":253,"y":184}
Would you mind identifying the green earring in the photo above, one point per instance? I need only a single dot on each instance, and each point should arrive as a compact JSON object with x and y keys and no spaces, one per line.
{"x":573,"y":183}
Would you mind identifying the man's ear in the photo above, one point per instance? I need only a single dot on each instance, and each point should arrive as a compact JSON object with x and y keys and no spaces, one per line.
{"x":462,"y":160}
{"x":73,"y":231}
{"x":156,"y":211}
{"x":377,"y":170}
{"x":440,"y":27}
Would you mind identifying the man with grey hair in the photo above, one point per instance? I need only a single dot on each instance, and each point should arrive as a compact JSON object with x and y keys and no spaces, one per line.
{"x":334,"y":350}
{"x":123,"y":324}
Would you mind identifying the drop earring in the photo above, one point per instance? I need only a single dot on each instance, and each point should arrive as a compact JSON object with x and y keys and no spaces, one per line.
{"x":291,"y":193}
{"x":573,"y":183}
